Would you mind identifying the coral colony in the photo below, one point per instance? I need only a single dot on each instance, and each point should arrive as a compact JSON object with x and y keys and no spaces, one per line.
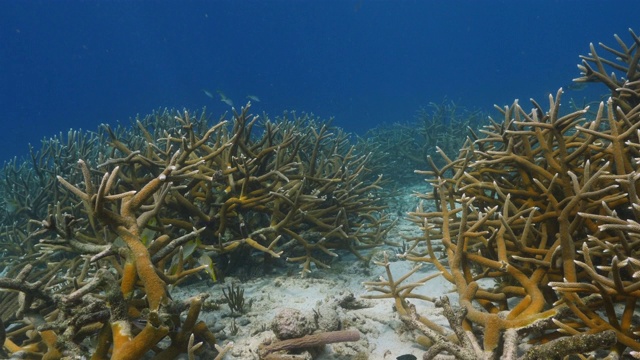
{"x":536,"y":225}
{"x":125,"y":225}
{"x":534,"y":222}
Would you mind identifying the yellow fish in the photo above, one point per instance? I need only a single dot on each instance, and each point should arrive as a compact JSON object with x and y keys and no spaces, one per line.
{"x":210,"y":266}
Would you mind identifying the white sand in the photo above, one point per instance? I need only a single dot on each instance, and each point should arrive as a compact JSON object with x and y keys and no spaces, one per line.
{"x":383,"y":335}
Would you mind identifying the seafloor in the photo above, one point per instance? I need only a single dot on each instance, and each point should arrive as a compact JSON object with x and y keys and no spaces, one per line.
{"x":328,"y":293}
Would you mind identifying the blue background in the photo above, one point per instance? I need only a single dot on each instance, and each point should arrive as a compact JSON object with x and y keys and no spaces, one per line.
{"x":76,"y":64}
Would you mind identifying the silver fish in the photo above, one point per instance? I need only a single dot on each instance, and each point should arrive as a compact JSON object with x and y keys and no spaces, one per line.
{"x":208,"y":93}
{"x":224,"y":98}
{"x":577,"y":86}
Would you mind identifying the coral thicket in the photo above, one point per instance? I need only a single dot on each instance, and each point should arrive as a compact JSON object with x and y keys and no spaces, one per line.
{"x":108,"y":223}
{"x":536,"y":223}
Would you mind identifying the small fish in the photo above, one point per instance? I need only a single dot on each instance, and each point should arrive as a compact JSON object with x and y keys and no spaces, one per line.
{"x":11,"y":205}
{"x":406,"y":357}
{"x":577,"y":86}
{"x":253,"y":98}
{"x":210,"y":266}
{"x":139,"y":323}
{"x":224,"y":98}
{"x":208,"y":93}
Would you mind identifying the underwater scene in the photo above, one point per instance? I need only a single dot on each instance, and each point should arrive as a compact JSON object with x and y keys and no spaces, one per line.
{"x":340,"y":179}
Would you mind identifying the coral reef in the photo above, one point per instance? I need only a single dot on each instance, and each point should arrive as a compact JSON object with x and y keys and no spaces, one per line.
{"x":534,"y":218}
{"x":536,"y":225}
{"x":105,"y":225}
{"x":439,"y":128}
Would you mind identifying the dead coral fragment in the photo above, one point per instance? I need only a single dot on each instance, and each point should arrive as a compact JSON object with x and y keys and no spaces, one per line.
{"x":309,"y":341}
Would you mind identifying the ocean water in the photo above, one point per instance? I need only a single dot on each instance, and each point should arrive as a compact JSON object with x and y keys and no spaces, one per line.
{"x":77,"y":64}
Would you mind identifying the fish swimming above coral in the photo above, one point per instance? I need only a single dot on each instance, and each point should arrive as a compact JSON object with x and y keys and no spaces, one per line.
{"x":208,"y":93}
{"x":224,"y":98}
{"x":576,"y":86}
{"x":253,"y":98}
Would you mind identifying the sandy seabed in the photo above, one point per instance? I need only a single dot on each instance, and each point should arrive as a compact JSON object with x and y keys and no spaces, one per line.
{"x":334,"y":292}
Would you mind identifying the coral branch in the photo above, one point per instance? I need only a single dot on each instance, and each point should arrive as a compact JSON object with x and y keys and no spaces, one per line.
{"x":309,"y":341}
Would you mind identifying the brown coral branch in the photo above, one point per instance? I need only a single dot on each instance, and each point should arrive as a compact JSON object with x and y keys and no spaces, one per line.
{"x":559,"y":348}
{"x":309,"y":341}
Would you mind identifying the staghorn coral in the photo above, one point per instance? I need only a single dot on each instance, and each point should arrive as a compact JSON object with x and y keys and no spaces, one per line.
{"x":538,"y":225}
{"x":439,"y":128}
{"x":164,"y":199}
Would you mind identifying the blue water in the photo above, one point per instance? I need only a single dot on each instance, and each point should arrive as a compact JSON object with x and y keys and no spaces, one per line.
{"x":76,"y":64}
